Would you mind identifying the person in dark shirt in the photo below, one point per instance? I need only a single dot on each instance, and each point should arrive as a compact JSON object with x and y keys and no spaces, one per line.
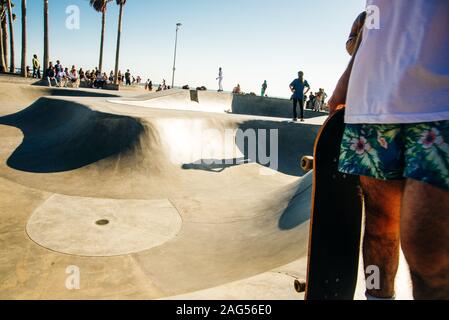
{"x":50,"y":74}
{"x":297,"y":87}
{"x":128,"y":78}
{"x":264,"y":88}
{"x":311,"y":102}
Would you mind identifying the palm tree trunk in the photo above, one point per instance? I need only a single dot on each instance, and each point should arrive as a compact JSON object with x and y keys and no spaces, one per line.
{"x":117,"y":55}
{"x":103,"y":27}
{"x":2,"y":56}
{"x":5,"y":39}
{"x":12,"y":65}
{"x":24,"y":39}
{"x":46,"y":36}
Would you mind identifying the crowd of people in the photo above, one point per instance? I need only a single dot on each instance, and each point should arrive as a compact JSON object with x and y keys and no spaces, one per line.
{"x":72,"y":77}
{"x":316,"y":101}
{"x":63,"y":77}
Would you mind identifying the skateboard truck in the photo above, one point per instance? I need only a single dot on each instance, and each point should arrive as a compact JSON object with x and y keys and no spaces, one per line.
{"x":307,"y":163}
{"x":300,"y":286}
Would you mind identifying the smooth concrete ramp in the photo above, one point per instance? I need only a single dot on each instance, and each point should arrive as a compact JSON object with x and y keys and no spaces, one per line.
{"x":98,"y":227}
{"x":186,"y":204}
{"x":148,"y":203}
{"x":206,"y":101}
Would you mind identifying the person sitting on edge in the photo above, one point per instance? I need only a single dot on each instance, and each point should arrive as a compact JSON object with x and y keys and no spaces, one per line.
{"x":73,"y":77}
{"x":60,"y":75}
{"x":396,"y":139}
{"x":297,"y":87}
{"x":63,"y":78}
{"x":59,"y":70}
{"x":50,"y":74}
{"x":237,"y":90}
{"x":311,"y":102}
{"x":82,"y":75}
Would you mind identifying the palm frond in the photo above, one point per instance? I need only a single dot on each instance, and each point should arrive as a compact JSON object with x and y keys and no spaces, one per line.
{"x":99,"y":5}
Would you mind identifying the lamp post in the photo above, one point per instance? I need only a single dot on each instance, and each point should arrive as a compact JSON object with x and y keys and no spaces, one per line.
{"x":178,"y":25}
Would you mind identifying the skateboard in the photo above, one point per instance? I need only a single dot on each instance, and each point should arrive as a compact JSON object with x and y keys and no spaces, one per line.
{"x":336,"y":219}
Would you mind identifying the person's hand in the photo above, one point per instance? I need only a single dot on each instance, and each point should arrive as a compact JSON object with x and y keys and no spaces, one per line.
{"x":333,"y":107}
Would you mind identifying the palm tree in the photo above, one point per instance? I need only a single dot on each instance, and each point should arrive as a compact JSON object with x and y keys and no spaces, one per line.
{"x":4,"y":27}
{"x":101,"y":6}
{"x":24,"y":39}
{"x":12,"y":64}
{"x":46,"y":36}
{"x":120,"y":3}
{"x":3,"y":63}
{"x":2,"y":56}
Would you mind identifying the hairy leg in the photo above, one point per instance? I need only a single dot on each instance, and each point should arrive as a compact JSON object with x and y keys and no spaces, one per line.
{"x":425,"y":239}
{"x":381,"y":243}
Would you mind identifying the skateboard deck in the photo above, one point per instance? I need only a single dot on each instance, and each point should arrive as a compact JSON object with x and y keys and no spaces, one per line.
{"x":336,"y":218}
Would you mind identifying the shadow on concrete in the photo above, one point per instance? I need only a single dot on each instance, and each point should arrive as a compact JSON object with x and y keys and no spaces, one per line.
{"x":61,"y":136}
{"x":293,"y":142}
{"x":65,"y":92}
{"x":299,"y":207}
{"x":214,"y":165}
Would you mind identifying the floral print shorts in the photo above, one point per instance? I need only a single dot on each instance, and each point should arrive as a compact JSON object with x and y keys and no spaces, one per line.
{"x":397,"y":151}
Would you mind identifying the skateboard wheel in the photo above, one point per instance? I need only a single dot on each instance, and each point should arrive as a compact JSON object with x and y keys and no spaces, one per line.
{"x":300,"y":286}
{"x":307,"y":163}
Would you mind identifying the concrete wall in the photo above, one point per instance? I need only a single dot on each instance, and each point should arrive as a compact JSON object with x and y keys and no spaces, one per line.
{"x":268,"y":107}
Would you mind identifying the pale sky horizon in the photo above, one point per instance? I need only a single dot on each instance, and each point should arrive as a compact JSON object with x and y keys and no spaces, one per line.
{"x":253,"y":40}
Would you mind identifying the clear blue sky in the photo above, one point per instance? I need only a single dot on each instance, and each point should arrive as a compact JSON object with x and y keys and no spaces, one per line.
{"x":253,"y":40}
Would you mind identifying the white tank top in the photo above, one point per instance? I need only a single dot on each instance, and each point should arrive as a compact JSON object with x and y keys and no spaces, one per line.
{"x":401,"y":71}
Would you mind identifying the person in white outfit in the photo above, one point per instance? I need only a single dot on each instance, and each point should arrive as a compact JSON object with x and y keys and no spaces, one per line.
{"x":220,"y":80}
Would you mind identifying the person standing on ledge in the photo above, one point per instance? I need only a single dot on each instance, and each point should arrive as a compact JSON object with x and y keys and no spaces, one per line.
{"x":36,"y":67}
{"x":220,"y":80}
{"x":297,"y":87}
{"x":264,"y":88}
{"x":128,"y":77}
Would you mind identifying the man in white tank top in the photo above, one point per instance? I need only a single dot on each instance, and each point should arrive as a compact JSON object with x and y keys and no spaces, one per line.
{"x":396,"y":91}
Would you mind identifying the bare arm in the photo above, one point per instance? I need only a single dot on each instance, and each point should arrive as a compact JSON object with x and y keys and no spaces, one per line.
{"x":339,"y":96}
{"x":351,"y":44}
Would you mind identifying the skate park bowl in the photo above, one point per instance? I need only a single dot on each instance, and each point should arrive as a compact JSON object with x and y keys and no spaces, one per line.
{"x":149,"y":197}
